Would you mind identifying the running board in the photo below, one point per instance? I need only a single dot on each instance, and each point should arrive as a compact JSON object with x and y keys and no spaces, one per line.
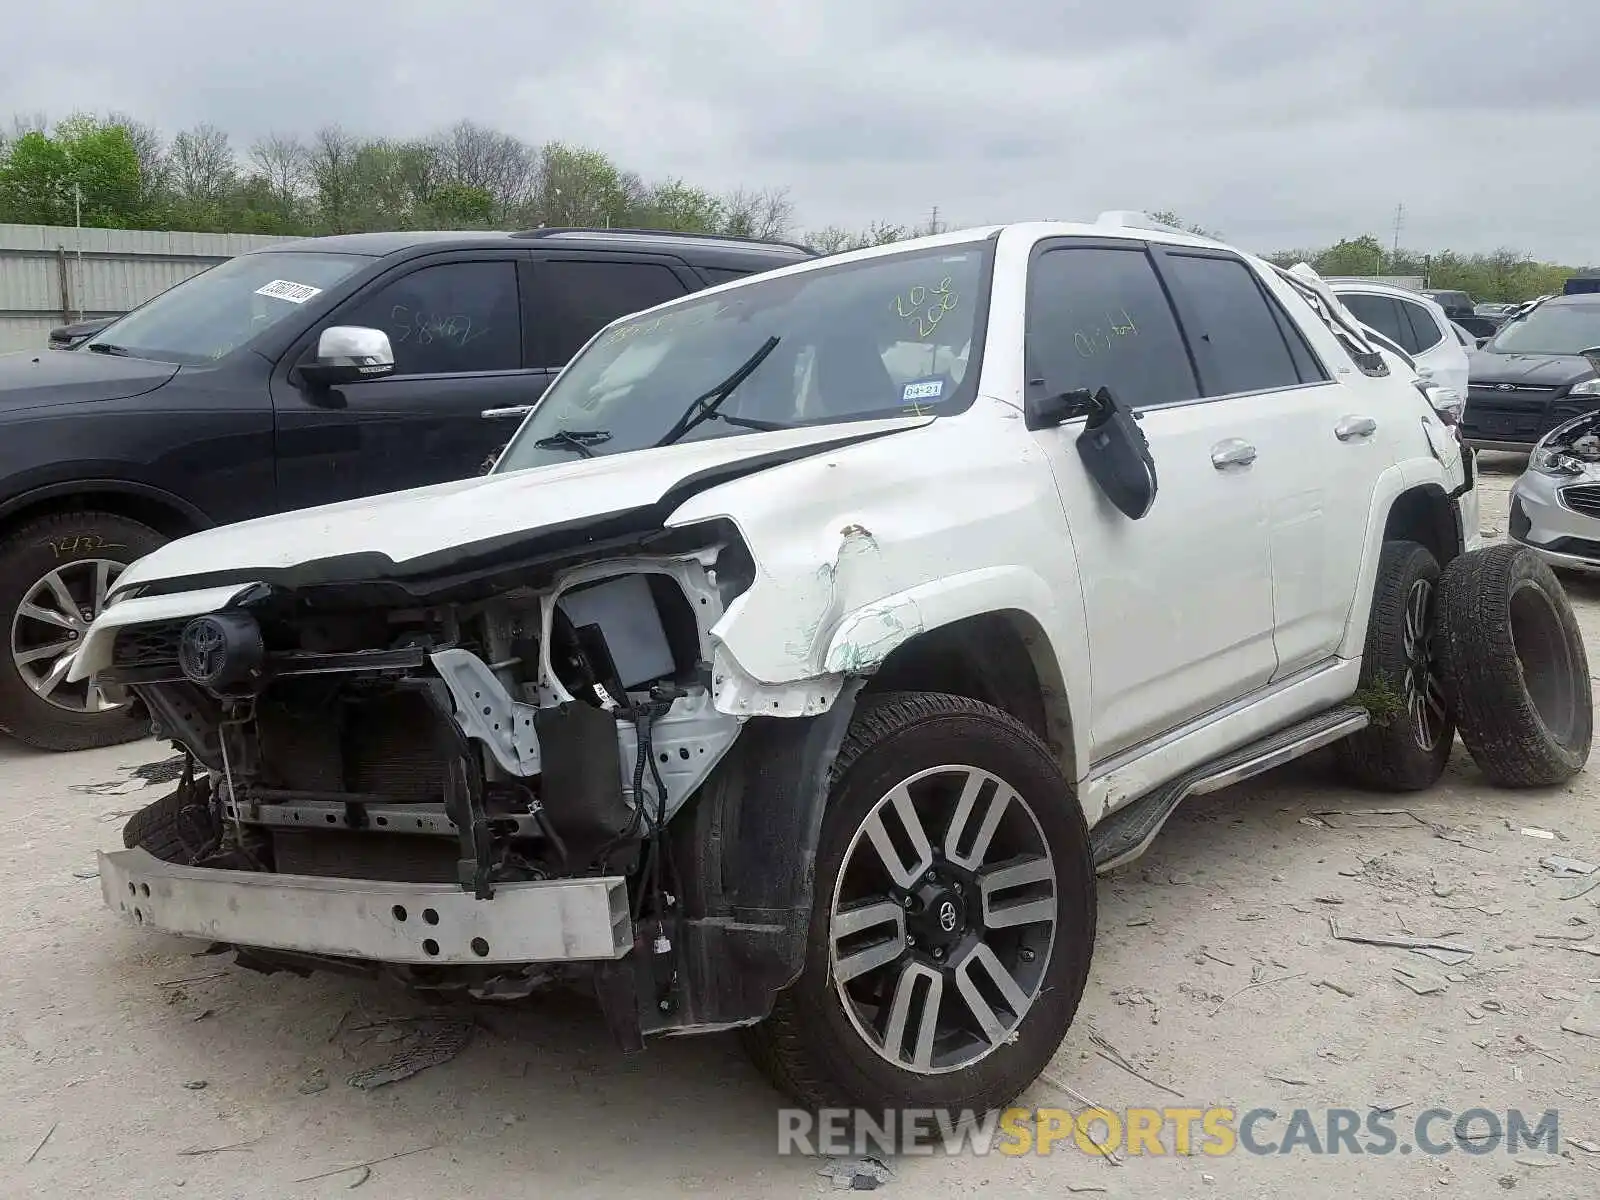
{"x":1127,"y":833}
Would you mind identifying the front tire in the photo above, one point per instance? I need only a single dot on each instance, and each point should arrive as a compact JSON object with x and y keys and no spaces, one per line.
{"x":54,"y":576}
{"x":1406,"y":747}
{"x":953,"y":917}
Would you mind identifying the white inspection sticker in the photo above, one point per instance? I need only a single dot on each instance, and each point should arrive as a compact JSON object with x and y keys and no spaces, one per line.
{"x":927,"y":389}
{"x":283,"y":289}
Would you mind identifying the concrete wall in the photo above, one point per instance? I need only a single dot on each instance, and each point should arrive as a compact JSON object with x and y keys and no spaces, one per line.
{"x":49,"y":277}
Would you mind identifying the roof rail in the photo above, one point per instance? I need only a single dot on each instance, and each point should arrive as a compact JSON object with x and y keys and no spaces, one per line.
{"x":1123,"y":218}
{"x":545,"y":231}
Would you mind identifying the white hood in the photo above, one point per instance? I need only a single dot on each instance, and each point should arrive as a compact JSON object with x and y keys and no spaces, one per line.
{"x":404,"y":526}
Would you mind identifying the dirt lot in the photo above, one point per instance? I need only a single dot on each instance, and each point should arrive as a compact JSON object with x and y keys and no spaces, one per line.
{"x":122,"y":1053}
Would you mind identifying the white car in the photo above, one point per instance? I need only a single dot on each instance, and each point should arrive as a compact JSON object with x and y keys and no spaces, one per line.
{"x":1414,"y":322}
{"x":815,"y":642}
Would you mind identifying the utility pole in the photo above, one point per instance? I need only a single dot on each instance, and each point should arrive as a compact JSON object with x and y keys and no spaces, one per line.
{"x":1399,"y":220}
{"x":77,"y":220}
{"x":933,"y":221}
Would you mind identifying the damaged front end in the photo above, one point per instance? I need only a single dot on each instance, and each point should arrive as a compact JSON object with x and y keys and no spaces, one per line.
{"x":1570,"y":449}
{"x":491,"y":781}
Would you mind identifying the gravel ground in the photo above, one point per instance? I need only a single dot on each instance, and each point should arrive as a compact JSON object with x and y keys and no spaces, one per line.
{"x":122,"y":1053}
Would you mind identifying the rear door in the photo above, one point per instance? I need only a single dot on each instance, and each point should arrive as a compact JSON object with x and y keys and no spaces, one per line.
{"x":1321,"y":451}
{"x":456,"y":326}
{"x":1179,"y":603}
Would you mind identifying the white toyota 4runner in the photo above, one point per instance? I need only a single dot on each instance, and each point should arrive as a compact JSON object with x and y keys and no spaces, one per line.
{"x":819,"y":637}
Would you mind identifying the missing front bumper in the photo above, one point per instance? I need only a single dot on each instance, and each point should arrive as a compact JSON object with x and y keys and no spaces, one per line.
{"x":568,"y":920}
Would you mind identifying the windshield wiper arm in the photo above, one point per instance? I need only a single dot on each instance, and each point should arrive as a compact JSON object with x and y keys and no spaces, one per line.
{"x":108,"y":348}
{"x":574,"y":439}
{"x":752,"y":423}
{"x":705,"y":406}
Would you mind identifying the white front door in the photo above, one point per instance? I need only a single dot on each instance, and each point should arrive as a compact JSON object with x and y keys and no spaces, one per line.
{"x":1179,"y":603}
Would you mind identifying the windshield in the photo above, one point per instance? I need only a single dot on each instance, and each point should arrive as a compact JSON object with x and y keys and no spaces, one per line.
{"x":1550,"y":329}
{"x":209,"y":314}
{"x":879,"y":337}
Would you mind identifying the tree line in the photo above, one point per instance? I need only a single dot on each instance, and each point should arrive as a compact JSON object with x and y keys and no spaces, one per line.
{"x":119,"y":172}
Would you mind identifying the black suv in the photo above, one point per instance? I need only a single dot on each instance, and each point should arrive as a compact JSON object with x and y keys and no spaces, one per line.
{"x":314,"y":371}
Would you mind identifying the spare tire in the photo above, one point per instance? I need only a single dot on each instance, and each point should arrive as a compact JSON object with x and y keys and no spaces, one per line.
{"x":1515,"y":670}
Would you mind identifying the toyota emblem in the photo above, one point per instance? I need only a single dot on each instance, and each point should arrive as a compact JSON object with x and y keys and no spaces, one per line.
{"x":202,"y":650}
{"x":1505,"y":387}
{"x":947,"y":916}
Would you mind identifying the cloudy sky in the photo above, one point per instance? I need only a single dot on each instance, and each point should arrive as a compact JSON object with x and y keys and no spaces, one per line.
{"x":1279,"y":122}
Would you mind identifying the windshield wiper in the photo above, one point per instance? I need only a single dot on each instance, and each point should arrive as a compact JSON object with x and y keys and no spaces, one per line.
{"x":574,"y":439}
{"x":108,"y":348}
{"x":705,"y":406}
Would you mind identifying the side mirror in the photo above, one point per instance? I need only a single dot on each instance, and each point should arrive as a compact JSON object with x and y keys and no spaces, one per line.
{"x":1047,"y":412}
{"x":349,"y":354}
{"x":1593,"y":355}
{"x":1117,"y":456}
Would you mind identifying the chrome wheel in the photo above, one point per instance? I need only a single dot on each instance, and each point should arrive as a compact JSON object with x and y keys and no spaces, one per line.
{"x":49,"y":624}
{"x":943,"y":919}
{"x":1423,"y":689}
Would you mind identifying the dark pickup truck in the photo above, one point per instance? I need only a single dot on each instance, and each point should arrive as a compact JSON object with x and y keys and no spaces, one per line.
{"x":315,"y":371}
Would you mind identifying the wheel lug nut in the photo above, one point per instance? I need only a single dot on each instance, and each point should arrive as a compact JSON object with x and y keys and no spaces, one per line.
{"x":937,"y":953}
{"x":1027,"y":955}
{"x":910,"y":903}
{"x":910,"y":941}
{"x":929,"y":877}
{"x":958,"y":888}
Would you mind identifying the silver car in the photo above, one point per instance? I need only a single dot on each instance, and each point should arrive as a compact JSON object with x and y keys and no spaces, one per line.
{"x":1555,"y":505}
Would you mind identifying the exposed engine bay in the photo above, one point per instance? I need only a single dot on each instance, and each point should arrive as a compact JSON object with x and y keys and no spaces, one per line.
{"x":1578,"y":439}
{"x":538,"y":728}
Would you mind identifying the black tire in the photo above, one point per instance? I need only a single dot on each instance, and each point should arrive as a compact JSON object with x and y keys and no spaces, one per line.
{"x":808,"y":1047}
{"x":1404,"y":750}
{"x":178,"y":828}
{"x":1515,"y":668}
{"x":28,"y":555}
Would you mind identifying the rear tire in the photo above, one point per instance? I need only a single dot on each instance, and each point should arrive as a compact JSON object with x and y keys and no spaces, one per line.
{"x":65,"y":549}
{"x":1404,"y":750}
{"x":833,"y":1036}
{"x":1515,"y":667}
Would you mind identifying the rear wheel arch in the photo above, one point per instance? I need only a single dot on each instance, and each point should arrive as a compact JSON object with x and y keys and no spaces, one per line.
{"x":1422,"y":513}
{"x":1425,"y":515}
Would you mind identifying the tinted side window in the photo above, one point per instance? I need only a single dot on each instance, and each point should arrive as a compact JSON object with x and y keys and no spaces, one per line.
{"x":447,"y":319}
{"x":1236,"y":340}
{"x":1098,"y":317}
{"x":1425,"y":331}
{"x":715,"y":275}
{"x":1305,"y":361}
{"x":576,"y":298}
{"x":1380,"y":313}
